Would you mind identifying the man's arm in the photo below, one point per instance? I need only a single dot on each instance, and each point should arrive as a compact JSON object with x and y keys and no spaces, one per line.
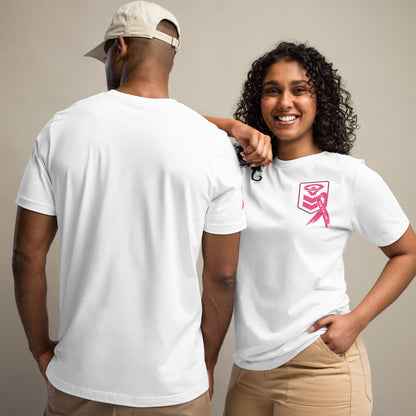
{"x":34,"y":234}
{"x":220,"y":254}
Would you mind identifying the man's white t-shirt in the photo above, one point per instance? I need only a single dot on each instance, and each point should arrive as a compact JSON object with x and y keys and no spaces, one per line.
{"x":291,"y":272}
{"x":133,"y":182}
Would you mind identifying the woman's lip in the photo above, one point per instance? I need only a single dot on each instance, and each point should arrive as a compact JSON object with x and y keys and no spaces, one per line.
{"x":285,"y":123}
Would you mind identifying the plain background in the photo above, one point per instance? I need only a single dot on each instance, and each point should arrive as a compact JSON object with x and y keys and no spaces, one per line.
{"x":370,"y":42}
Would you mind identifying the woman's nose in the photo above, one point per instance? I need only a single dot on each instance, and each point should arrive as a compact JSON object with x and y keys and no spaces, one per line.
{"x":285,"y":100}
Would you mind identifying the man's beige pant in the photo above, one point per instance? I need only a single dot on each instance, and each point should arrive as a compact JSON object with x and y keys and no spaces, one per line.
{"x":62,"y":404}
{"x":317,"y":382}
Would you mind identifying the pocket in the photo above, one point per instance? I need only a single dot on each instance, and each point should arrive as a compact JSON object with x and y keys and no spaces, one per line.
{"x":365,"y":364}
{"x":250,"y":382}
{"x":328,"y":350}
{"x":321,"y":379}
{"x":236,"y":373}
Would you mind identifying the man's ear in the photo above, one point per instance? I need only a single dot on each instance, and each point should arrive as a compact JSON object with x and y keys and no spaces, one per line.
{"x":121,"y":46}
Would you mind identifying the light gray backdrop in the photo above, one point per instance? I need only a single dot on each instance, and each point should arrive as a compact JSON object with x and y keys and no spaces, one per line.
{"x":370,"y":42}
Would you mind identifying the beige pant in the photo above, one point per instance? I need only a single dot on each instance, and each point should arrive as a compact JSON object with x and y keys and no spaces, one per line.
{"x":63,"y":404}
{"x":317,"y":382}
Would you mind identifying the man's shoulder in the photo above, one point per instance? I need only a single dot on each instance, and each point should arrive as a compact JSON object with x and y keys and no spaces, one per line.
{"x":83,"y":109}
{"x":193,"y":116}
{"x":84,"y":103}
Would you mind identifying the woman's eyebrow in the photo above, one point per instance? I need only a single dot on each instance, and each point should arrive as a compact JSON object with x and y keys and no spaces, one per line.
{"x":296,"y":82}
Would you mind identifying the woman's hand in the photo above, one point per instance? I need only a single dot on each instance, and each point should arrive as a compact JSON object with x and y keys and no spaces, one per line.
{"x":342,"y":331}
{"x":393,"y":280}
{"x":257,"y":146}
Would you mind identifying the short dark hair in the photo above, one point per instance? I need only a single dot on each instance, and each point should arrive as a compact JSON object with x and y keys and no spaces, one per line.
{"x":169,"y":28}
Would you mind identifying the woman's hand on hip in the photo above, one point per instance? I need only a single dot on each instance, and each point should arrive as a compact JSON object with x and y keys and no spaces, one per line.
{"x":342,"y":331}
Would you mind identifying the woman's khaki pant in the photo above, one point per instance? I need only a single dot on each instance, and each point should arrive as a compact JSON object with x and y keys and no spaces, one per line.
{"x":317,"y":382}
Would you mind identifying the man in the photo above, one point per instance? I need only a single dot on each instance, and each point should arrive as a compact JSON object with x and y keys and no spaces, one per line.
{"x":132,"y":180}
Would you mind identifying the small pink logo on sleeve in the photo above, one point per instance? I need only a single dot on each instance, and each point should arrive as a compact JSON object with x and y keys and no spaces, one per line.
{"x":242,"y":198}
{"x":313,"y":199}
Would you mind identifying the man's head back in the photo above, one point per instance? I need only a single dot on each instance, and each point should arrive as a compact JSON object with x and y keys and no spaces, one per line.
{"x":139,"y":45}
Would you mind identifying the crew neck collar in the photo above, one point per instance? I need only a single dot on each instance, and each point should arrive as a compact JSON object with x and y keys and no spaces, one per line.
{"x":137,"y":98}
{"x":300,"y":160}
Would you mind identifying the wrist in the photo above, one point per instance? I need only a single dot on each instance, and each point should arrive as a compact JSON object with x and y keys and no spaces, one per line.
{"x":360,"y":318}
{"x":210,"y":365}
{"x":38,"y":350}
{"x":232,"y":127}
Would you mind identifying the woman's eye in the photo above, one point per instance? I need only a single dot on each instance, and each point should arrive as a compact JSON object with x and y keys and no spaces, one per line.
{"x":271,"y":91}
{"x":300,"y":90}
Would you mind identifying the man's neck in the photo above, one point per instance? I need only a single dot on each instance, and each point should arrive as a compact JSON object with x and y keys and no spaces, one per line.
{"x":146,"y":83}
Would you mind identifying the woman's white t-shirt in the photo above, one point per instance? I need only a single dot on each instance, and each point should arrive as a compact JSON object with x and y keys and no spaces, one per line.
{"x":291,"y":272}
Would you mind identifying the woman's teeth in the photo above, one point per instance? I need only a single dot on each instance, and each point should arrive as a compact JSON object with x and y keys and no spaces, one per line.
{"x":286,"y":118}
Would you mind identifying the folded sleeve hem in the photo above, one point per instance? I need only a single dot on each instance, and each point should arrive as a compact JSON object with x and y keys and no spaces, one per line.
{"x":393,"y":236}
{"x":35,"y":206}
{"x":226,"y":229}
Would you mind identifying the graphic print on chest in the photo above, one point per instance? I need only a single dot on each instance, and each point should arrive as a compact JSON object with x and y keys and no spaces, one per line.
{"x":313,"y":199}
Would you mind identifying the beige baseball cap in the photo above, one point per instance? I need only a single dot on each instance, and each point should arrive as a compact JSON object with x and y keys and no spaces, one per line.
{"x":137,"y":19}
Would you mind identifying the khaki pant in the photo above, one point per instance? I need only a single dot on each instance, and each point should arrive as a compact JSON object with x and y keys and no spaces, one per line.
{"x":317,"y":382}
{"x":63,"y":404}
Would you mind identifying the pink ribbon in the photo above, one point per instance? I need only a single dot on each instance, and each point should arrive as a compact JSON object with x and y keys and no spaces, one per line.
{"x":322,"y":201}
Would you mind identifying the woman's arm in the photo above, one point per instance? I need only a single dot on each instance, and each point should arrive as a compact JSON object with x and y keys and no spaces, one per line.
{"x":395,"y":277}
{"x":257,"y":146}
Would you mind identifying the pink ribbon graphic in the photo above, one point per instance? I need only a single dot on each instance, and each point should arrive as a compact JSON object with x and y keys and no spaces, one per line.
{"x":322,"y":201}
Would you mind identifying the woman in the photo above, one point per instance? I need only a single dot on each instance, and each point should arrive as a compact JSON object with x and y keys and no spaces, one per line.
{"x":298,"y":345}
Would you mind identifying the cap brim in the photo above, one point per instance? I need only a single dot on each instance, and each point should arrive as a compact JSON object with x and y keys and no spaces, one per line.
{"x":98,"y":52}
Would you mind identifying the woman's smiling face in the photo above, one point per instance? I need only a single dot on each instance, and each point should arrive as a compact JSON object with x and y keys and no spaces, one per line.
{"x":288,"y":103}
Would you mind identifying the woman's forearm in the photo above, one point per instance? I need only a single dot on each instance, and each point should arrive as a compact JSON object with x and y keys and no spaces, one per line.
{"x":225,"y":124}
{"x":393,"y":280}
{"x":257,"y":149}
{"x":395,"y":277}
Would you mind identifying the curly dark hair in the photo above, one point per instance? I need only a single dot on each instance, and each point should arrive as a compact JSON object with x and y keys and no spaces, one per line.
{"x":335,"y":122}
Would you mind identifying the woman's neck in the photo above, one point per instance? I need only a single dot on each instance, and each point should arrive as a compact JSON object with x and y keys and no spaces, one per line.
{"x":293,"y":150}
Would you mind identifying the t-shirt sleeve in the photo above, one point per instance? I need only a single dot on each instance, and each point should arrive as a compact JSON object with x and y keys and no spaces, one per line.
{"x":377,"y":215}
{"x":225,"y":214}
{"x":36,"y":192}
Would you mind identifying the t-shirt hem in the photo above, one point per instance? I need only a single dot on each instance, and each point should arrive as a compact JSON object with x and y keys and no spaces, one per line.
{"x":272,"y":364}
{"x":226,"y":229}
{"x":35,"y":206}
{"x":124,"y":399}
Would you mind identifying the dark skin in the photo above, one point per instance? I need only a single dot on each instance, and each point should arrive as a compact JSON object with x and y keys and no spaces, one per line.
{"x":34,"y":234}
{"x":129,"y":71}
{"x":138,"y":67}
{"x":257,"y":146}
{"x":220,"y":253}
